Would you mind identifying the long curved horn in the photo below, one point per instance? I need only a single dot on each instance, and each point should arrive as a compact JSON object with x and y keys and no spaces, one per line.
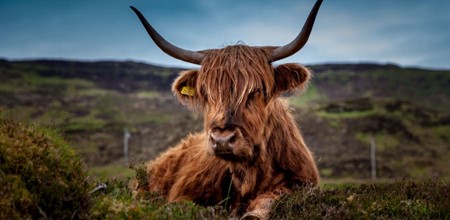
{"x":172,"y":50}
{"x":300,"y":41}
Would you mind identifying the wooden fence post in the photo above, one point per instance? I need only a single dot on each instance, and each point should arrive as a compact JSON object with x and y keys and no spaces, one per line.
{"x":126,"y":138}
{"x":373,"y":159}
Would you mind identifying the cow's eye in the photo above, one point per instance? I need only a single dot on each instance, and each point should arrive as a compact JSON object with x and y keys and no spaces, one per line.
{"x":253,"y":95}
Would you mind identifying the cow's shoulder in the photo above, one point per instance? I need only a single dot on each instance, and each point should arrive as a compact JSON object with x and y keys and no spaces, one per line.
{"x":193,"y":141}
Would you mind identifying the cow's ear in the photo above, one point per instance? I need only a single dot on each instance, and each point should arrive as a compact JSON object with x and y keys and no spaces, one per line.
{"x":290,"y":77}
{"x":185,"y":88}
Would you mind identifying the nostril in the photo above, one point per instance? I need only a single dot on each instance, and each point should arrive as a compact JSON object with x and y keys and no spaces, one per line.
{"x":212,"y":141}
{"x":232,"y":139}
{"x":220,"y":139}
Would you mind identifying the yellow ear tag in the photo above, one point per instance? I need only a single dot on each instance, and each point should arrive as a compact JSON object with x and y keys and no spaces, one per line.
{"x":187,"y":90}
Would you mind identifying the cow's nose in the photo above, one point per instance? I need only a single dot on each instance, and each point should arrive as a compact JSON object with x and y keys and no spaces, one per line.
{"x":222,"y":140}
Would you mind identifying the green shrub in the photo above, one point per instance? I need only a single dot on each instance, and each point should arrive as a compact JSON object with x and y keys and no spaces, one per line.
{"x":41,"y":176}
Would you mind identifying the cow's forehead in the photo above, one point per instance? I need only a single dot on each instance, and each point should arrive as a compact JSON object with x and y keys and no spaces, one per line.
{"x":238,"y":65}
{"x":231,"y":73}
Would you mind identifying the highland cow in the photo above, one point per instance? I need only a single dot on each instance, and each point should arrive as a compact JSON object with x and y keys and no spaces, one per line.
{"x":250,"y":151}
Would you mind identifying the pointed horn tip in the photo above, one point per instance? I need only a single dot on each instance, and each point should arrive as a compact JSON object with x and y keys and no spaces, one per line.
{"x":134,"y":9}
{"x":296,"y":45}
{"x":170,"y":49}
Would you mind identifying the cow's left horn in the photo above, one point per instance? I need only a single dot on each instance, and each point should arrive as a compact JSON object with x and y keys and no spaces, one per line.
{"x":170,"y":49}
{"x":300,"y":41}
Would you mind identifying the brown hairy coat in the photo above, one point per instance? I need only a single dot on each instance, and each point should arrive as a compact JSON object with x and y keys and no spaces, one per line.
{"x":251,"y":150}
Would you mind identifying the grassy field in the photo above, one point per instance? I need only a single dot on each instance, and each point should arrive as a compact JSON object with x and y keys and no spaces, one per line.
{"x":29,"y":190}
{"x":405,"y":111}
{"x":92,"y":103}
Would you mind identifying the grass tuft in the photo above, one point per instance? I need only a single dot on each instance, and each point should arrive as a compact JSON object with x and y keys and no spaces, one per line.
{"x":40,"y":174}
{"x":398,"y":200}
{"x":120,"y":201}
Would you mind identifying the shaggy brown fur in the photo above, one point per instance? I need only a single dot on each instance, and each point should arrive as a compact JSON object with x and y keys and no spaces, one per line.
{"x":237,"y":92}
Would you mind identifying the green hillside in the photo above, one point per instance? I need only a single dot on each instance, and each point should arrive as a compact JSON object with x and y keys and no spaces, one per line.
{"x":405,"y":110}
{"x":347,"y":107}
{"x":429,"y":88}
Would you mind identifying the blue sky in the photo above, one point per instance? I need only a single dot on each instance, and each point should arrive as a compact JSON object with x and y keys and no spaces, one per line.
{"x":405,"y":32}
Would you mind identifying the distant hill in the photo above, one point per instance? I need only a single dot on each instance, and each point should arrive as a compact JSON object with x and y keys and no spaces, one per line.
{"x":343,"y":81}
{"x":331,"y":81}
{"x":120,"y":76}
{"x":404,"y":110}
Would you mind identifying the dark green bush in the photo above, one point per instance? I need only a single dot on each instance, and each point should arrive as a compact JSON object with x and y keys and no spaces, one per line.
{"x":41,"y":176}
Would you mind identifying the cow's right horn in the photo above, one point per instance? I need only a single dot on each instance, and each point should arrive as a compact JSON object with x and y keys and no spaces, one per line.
{"x":172,"y":50}
{"x":300,"y":41}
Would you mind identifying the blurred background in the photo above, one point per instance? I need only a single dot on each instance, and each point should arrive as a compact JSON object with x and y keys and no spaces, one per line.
{"x":378,"y":106}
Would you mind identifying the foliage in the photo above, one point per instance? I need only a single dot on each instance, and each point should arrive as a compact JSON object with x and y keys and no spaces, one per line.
{"x":111,"y":171}
{"x":41,"y":176}
{"x":344,"y":108}
{"x":119,"y":202}
{"x":399,"y":200}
